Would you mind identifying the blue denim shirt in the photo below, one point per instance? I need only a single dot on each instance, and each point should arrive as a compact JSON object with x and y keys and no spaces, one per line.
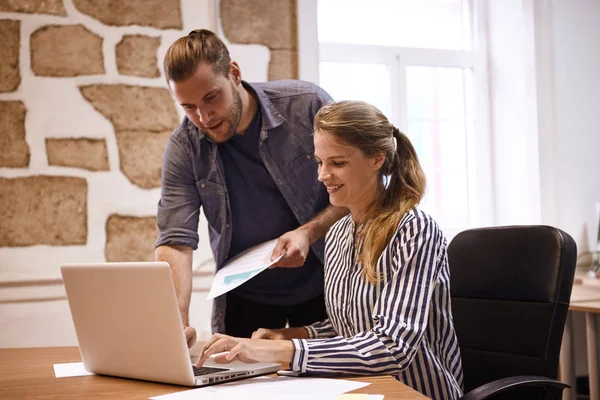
{"x":192,"y":173}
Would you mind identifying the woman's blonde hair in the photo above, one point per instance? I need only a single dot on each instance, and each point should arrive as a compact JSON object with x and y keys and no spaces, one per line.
{"x":363,"y":126}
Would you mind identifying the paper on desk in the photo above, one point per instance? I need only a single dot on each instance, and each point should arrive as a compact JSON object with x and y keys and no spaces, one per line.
{"x":242,"y":268}
{"x":70,"y":369}
{"x":267,"y":388}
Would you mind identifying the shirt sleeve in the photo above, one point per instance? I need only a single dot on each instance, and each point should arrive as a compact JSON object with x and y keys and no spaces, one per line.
{"x":321,"y":98}
{"x":179,"y":205}
{"x":321,"y":329}
{"x":400,"y":313}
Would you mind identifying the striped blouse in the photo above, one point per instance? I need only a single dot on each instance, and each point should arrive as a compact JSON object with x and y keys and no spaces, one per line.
{"x":401,"y":326}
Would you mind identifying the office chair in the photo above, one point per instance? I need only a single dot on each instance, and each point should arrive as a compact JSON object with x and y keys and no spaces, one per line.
{"x":510,"y":289}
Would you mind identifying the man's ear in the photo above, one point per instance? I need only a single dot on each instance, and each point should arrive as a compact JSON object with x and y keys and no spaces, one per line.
{"x":235,"y":73}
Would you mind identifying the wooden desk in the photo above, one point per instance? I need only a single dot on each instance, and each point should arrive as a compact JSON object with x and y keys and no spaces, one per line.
{"x":28,"y":373}
{"x":584,"y":298}
{"x":592,"y":311}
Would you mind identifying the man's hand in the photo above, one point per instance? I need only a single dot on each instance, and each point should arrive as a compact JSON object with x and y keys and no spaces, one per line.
{"x":296,"y":245}
{"x":246,"y":350}
{"x":281,"y":334}
{"x":271,"y":334}
{"x":190,"y":336}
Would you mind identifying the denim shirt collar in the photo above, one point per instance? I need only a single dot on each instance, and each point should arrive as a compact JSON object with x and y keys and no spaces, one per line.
{"x":270,"y":116}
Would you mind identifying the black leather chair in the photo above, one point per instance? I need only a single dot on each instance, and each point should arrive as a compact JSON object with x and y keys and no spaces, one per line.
{"x":510,"y":289}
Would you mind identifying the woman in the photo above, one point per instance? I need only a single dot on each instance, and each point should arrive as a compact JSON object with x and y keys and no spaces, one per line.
{"x":386,"y":270}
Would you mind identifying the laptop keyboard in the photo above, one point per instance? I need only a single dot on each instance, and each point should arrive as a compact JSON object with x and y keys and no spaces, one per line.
{"x":207,"y":370}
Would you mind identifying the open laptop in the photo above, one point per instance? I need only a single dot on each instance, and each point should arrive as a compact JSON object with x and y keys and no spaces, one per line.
{"x":128,"y":324}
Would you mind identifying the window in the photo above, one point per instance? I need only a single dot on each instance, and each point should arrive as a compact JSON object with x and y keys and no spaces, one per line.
{"x":420,"y":63}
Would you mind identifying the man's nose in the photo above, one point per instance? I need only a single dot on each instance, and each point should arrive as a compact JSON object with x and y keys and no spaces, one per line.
{"x":203,"y":115}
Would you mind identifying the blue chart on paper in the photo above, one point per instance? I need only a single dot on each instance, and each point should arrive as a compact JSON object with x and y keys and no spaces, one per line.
{"x":240,"y":277}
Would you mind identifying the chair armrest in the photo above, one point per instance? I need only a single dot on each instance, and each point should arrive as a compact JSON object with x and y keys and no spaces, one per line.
{"x":553,"y":387}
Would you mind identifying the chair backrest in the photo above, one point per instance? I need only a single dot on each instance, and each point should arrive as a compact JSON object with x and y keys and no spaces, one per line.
{"x":510,"y":289}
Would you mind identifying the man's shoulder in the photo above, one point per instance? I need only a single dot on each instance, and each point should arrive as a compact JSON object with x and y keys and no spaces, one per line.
{"x":286,"y":88}
{"x":184,"y":131}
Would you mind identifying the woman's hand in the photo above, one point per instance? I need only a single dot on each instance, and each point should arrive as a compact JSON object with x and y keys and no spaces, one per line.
{"x":246,"y":350}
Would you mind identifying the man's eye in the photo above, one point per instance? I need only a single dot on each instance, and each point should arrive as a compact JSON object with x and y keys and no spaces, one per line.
{"x":188,"y":107}
{"x":339,"y":163}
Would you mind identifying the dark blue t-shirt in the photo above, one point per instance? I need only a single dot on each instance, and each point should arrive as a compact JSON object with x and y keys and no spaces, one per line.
{"x":260,"y":213}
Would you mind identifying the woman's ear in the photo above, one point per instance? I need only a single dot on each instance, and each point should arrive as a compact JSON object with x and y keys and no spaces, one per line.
{"x":378,"y":160}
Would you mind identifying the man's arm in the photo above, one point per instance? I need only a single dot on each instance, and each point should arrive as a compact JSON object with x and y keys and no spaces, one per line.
{"x":317,"y":227}
{"x":296,"y":243}
{"x":180,"y":260}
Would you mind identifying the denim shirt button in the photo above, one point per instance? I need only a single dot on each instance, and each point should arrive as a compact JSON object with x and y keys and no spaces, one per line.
{"x":226,"y":225}
{"x":202,"y":185}
{"x":308,"y":157}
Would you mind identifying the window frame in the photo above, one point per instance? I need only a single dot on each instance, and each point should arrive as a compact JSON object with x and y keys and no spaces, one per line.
{"x":479,"y":142}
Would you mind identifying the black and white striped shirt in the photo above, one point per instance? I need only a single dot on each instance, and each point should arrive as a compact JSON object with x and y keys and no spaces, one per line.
{"x":401,"y":326}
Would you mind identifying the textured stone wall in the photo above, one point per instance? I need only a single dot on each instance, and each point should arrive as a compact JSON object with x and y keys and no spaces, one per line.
{"x":267,"y":22}
{"x":90,"y":154}
{"x":15,"y":150}
{"x":162,"y":14}
{"x":136,"y":55}
{"x":10,"y":75}
{"x":54,"y":7}
{"x":66,"y":51}
{"x":130,"y":238}
{"x":85,"y":116}
{"x":39,"y":209}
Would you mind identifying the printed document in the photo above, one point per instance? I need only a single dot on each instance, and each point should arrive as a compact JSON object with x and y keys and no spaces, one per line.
{"x":267,"y":388}
{"x":242,"y":268}
{"x":70,"y":369}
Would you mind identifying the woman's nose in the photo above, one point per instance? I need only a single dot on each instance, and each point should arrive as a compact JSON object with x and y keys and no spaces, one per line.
{"x":323,"y":174}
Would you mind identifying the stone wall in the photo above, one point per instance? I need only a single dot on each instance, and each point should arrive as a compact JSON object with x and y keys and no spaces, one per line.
{"x":267,"y":22}
{"x":86,"y":115}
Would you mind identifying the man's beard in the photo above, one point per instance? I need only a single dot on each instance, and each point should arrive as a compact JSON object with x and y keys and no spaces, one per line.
{"x":233,"y":119}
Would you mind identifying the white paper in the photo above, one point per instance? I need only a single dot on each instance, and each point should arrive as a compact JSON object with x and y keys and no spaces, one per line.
{"x":242,"y":268}
{"x":267,"y":388}
{"x":70,"y":369}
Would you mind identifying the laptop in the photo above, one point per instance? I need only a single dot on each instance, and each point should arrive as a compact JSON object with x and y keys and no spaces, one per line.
{"x":128,"y":325}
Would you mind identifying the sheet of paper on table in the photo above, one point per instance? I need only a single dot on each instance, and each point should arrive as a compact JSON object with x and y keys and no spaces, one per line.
{"x":242,"y":268}
{"x":268,"y":388}
{"x":70,"y":369}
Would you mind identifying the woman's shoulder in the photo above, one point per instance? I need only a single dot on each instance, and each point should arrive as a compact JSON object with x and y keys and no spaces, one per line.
{"x":342,"y":226}
{"x":416,"y":222}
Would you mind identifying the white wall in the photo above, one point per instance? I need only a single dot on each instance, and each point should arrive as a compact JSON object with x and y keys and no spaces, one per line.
{"x":56,"y":109}
{"x":576,"y":32}
{"x":572,"y":138}
{"x":513,"y":112}
{"x":33,"y":307}
{"x":545,"y":96}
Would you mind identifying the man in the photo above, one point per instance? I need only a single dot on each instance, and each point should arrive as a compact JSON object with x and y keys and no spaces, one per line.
{"x":244,"y":152}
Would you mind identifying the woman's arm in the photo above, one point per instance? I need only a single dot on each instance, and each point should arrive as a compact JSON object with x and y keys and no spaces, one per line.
{"x":401,"y":312}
